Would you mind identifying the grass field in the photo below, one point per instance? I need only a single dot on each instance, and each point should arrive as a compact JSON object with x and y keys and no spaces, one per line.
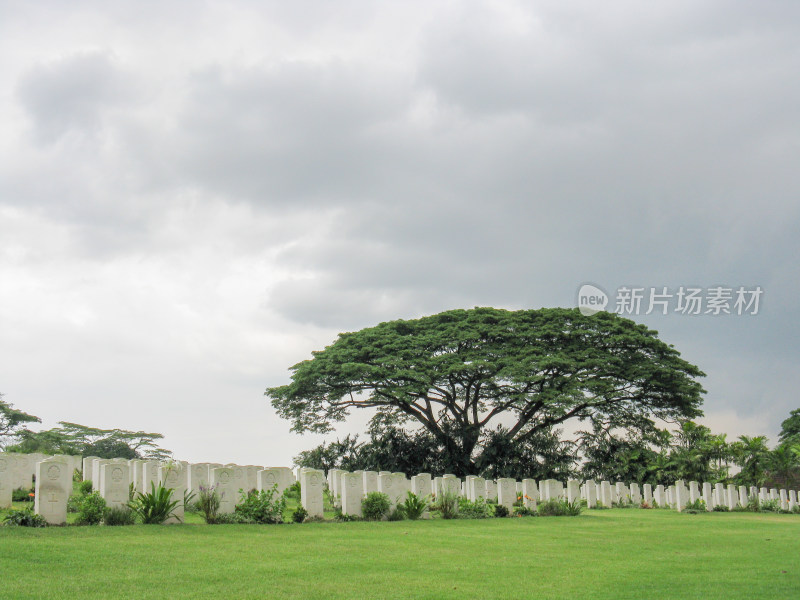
{"x":621,"y":553}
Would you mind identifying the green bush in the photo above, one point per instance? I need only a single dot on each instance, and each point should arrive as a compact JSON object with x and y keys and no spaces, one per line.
{"x":770,"y":506}
{"x":524,"y":511}
{"x":500,"y":511}
{"x":293,"y":491}
{"x":721,"y":508}
{"x":119,"y":515}
{"x":414,"y":506}
{"x":396,"y":515}
{"x":559,"y":508}
{"x":154,"y":507}
{"x":92,"y":509}
{"x":468,"y":509}
{"x":21,"y":495}
{"x":24,"y":518}
{"x":300,"y":514}
{"x":698,"y":505}
{"x":261,"y":507}
{"x":375,"y":506}
{"x":447,"y":504}
{"x":85,"y":488}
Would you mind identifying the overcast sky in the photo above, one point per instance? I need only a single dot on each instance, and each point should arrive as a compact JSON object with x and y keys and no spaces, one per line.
{"x":196,"y":195}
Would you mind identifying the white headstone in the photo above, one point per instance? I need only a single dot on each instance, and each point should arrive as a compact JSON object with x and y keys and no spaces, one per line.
{"x":720,"y":495}
{"x":647,"y":490}
{"x":270,"y":478}
{"x":743,"y":499}
{"x":732,"y":497}
{"x":681,"y":498}
{"x":784,"y":499}
{"x":224,"y":482}
{"x":573,"y":490}
{"x":476,"y":488}
{"x":311,"y":481}
{"x":491,"y":490}
{"x":198,"y":477}
{"x":660,"y":497}
{"x":636,"y":495}
{"x":694,"y":492}
{"x":530,"y":493}
{"x":115,"y":487}
{"x":370,"y":481}
{"x":53,"y":488}
{"x":352,"y":493}
{"x":590,"y":491}
{"x":507,"y":492}
{"x":708,"y":497}
{"x":388,"y":485}
{"x":605,"y":494}
{"x":5,"y":481}
{"x":792,"y":499}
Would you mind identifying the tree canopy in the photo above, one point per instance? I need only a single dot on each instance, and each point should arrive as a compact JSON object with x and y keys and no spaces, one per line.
{"x":471,"y":377}
{"x":73,"y":438}
{"x":12,"y":420}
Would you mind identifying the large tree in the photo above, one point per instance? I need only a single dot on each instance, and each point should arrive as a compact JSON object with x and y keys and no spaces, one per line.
{"x":12,"y":420}
{"x":464,"y":374}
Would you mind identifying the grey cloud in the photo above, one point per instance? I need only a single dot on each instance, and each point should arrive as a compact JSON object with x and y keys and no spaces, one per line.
{"x":72,"y":94}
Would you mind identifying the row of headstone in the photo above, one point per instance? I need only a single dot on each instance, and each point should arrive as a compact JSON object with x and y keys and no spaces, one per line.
{"x":17,"y":471}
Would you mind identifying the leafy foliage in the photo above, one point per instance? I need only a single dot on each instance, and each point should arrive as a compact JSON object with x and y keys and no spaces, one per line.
{"x":72,"y":438}
{"x":375,"y":506}
{"x":208,"y":503}
{"x":300,"y":514}
{"x":473,"y":509}
{"x":446,"y":503}
{"x":559,"y":508}
{"x":154,"y":507}
{"x":11,"y":420}
{"x":24,"y":517}
{"x":92,"y":509}
{"x":261,"y":506}
{"x":414,"y":506}
{"x":457,"y":372}
{"x":119,"y":516}
{"x":500,"y":511}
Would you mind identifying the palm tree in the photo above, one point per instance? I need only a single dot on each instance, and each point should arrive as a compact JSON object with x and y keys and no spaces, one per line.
{"x":752,"y":455}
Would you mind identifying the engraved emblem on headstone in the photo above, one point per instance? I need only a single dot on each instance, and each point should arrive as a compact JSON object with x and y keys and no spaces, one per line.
{"x":53,"y":472}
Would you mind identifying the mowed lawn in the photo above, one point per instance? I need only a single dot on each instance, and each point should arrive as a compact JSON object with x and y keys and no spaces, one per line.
{"x":621,"y":553}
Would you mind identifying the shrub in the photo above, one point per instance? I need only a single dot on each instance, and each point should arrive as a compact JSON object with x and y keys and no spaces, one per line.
{"x":559,"y":508}
{"x":154,"y":507}
{"x":396,"y":515}
{"x":119,"y":515}
{"x":721,"y":508}
{"x":468,"y":509}
{"x":208,"y":502}
{"x":21,"y":495}
{"x":375,"y":506}
{"x":300,"y":514}
{"x":92,"y":509}
{"x":413,"y":507}
{"x":447,"y":504}
{"x":24,"y":517}
{"x":345,"y":518}
{"x":770,"y":506}
{"x":261,"y":507}
{"x":293,"y":491}
{"x":500,"y":511}
{"x":85,"y":488}
{"x":698,"y":505}
{"x":645,"y":505}
{"x":524,"y":511}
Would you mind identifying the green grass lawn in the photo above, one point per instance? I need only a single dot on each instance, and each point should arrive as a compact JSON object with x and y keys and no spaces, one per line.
{"x":621,"y":553}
